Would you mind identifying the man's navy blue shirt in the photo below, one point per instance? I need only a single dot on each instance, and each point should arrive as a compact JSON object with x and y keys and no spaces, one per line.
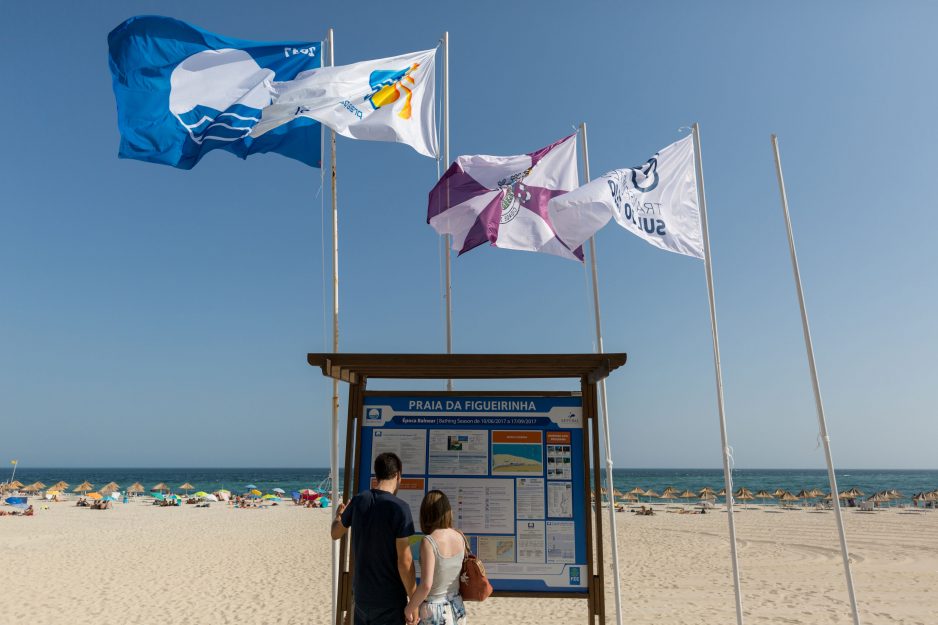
{"x":377,"y":519}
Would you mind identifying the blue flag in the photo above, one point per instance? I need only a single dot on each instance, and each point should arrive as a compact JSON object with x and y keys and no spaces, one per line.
{"x":182,"y":92}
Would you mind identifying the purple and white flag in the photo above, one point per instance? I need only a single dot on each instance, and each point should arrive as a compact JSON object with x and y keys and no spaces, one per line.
{"x":503,"y":200}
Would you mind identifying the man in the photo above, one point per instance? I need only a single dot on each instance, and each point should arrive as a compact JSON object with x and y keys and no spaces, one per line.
{"x":384,"y":575}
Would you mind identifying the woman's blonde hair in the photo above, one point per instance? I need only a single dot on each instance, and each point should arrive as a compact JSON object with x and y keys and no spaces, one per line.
{"x":435,"y":512}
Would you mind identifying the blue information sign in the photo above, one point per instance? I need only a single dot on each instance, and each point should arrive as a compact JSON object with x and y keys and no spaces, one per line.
{"x":512,"y":467}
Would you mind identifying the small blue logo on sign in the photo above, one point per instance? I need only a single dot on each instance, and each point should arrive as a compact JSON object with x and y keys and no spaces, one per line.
{"x":373,"y":414}
{"x":574,"y":576}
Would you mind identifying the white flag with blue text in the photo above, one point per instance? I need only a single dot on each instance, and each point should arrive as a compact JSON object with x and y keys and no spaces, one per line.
{"x":388,"y":99}
{"x":656,"y":202}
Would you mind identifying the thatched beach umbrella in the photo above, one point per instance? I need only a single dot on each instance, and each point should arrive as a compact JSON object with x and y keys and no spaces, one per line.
{"x":803,"y":494}
{"x":778,"y":492}
{"x":816,"y":492}
{"x":32,"y":488}
{"x":108,"y":488}
{"x":651,"y":493}
{"x":721,"y":492}
{"x":763,"y":495}
{"x":744,"y":495}
{"x":706,"y":490}
{"x":187,"y":487}
{"x":878,"y":498}
{"x":135,"y":488}
{"x":59,"y":486}
{"x":160,"y":488}
{"x":688,"y":494}
{"x":84,"y":487}
{"x":629,"y":497}
{"x":637,"y":491}
{"x":855,"y":492}
{"x":787,"y":497}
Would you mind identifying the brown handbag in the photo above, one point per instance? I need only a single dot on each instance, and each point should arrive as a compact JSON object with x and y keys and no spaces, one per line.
{"x":473,"y":584}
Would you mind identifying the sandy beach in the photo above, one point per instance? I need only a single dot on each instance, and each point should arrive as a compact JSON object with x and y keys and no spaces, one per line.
{"x":140,"y":564}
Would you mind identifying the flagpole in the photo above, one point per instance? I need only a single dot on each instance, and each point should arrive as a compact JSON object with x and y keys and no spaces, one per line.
{"x":727,"y":475}
{"x":822,"y":421}
{"x":448,"y":293}
{"x":334,"y":460}
{"x":602,"y":398}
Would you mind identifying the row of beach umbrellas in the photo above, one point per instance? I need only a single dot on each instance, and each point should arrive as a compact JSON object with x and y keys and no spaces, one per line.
{"x":745,"y":494}
{"x":88,"y":489}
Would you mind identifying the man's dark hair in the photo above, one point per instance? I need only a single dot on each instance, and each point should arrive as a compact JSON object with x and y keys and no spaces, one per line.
{"x":387,"y":466}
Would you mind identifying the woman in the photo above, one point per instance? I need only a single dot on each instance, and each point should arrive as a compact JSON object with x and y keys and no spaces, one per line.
{"x":436,"y":600}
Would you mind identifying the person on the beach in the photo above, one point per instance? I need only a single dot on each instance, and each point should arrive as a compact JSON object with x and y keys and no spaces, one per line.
{"x":381,"y":528}
{"x":437,"y":600}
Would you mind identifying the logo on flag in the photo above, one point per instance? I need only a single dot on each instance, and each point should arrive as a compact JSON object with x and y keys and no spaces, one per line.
{"x":503,"y":200}
{"x":657,"y":202}
{"x":200,"y":94}
{"x":515,"y":195}
{"x":387,"y":85}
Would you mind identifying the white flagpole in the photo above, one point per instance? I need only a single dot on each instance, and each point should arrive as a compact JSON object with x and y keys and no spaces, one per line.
{"x":334,"y":468}
{"x":822,"y":422}
{"x":448,"y":294}
{"x":602,"y":397}
{"x":727,"y":475}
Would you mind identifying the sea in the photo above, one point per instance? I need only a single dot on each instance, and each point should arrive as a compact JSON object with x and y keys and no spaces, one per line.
{"x":869,"y":481}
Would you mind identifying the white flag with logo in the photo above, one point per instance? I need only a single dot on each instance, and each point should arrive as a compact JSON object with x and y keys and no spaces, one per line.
{"x":657,"y":202}
{"x":382,"y":100}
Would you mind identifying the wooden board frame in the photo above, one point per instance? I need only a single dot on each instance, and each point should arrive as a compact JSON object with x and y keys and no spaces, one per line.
{"x":588,"y":370}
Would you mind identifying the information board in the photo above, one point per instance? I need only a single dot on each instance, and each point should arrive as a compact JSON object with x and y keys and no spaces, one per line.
{"x":512,"y":467}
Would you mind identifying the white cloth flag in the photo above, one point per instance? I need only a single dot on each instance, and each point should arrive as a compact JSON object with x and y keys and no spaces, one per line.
{"x":657,"y":202}
{"x":382,"y":100}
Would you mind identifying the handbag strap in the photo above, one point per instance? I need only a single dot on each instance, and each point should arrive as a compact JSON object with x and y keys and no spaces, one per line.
{"x":468,"y":550}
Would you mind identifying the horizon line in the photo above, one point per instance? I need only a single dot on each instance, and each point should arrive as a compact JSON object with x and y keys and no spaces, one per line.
{"x":326,"y":468}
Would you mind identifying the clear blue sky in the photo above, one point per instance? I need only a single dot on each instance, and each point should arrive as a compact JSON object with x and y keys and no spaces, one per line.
{"x":157,"y":317}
